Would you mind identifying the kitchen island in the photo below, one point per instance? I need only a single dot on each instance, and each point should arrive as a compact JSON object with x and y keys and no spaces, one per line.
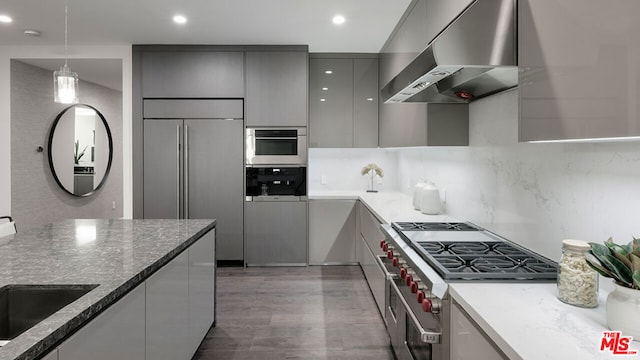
{"x":116,"y":255}
{"x":524,"y":320}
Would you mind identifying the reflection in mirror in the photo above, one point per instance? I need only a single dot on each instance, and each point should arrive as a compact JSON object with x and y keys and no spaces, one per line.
{"x":82,"y":131}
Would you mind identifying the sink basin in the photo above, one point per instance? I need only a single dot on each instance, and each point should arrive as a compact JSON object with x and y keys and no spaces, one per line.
{"x":23,"y":306}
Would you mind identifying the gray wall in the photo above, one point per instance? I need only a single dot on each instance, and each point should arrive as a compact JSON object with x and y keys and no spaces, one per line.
{"x":36,"y":198}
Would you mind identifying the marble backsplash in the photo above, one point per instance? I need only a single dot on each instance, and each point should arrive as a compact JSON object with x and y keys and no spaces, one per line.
{"x":533,"y":194}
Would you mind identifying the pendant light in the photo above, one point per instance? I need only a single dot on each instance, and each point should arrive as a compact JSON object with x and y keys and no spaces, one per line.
{"x":65,"y":81}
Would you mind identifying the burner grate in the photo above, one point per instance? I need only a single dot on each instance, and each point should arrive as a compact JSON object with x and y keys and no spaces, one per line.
{"x":434,"y":226}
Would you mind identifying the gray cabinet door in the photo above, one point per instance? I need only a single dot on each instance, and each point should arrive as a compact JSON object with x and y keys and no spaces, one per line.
{"x":117,"y":333}
{"x":167,"y":315}
{"x":215,"y":172}
{"x":332,"y":226}
{"x":277,"y":83}
{"x":202,"y":272}
{"x":275,"y":233}
{"x":209,"y":176}
{"x":365,"y":103}
{"x":192,"y":74}
{"x":578,"y":80}
{"x":162,"y":169}
{"x":331,"y":103}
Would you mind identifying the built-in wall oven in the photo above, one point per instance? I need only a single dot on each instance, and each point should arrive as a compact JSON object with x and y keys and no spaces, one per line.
{"x":276,"y":183}
{"x":276,"y":145}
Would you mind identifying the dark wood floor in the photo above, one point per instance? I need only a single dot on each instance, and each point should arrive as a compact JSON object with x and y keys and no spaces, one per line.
{"x":317,"y":312}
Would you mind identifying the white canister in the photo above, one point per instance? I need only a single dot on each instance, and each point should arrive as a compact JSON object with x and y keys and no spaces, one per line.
{"x":417,"y":194}
{"x":430,"y":199}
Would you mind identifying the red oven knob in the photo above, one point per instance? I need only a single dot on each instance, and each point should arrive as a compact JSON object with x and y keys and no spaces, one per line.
{"x":414,"y":286}
{"x":408,"y":279}
{"x":420,"y":296}
{"x":403,"y":273}
{"x":427,"y":305}
{"x":395,"y":262}
{"x":390,"y":254}
{"x":382,"y":243}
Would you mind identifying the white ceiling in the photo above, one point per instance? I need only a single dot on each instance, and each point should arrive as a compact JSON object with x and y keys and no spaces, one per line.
{"x":243,"y":22}
{"x":116,"y":22}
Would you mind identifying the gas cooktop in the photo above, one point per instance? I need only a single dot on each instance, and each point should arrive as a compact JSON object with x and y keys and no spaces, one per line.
{"x":434,"y":226}
{"x":462,"y":251}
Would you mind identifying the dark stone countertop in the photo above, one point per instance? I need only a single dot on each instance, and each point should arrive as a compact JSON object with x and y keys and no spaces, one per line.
{"x":116,"y":255}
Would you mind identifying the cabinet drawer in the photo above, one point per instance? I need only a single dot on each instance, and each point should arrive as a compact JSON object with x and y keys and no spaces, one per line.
{"x":370,"y":228}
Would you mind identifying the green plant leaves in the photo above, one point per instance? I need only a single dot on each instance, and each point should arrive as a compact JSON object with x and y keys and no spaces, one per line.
{"x":620,"y":262}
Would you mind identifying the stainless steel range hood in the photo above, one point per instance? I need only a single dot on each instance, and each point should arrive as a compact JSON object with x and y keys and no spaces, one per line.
{"x":475,"y":56}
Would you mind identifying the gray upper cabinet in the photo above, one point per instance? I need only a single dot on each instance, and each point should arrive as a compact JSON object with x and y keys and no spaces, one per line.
{"x":417,"y":124}
{"x":276,"y":88}
{"x":331,"y":103}
{"x":192,"y":74}
{"x":579,"y":75}
{"x":343,"y":101}
{"x":365,"y":103}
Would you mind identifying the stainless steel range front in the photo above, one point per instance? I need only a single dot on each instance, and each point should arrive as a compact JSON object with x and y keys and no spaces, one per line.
{"x":420,"y":259}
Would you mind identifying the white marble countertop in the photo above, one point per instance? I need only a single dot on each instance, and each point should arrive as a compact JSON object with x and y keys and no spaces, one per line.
{"x":525,"y":320}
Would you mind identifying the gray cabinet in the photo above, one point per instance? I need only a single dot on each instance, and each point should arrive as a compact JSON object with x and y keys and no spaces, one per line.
{"x":202,"y":274}
{"x":117,"y":333}
{"x":409,"y":124}
{"x":343,"y":104}
{"x":182,"y":73}
{"x":275,"y":232}
{"x":369,"y":248}
{"x":332,"y":232}
{"x":365,"y":103}
{"x":167,"y":311}
{"x":51,"y":356}
{"x":276,"y":88}
{"x":578,"y":80}
{"x":468,"y":341}
{"x":193,"y":168}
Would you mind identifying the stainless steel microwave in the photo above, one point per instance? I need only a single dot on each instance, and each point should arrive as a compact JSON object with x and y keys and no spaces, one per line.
{"x":276,"y":146}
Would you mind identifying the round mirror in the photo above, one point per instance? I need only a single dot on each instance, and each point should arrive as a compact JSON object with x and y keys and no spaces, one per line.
{"x":80,"y":149}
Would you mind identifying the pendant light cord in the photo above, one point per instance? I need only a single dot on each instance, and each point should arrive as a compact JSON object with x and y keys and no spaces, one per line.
{"x":65,"y":33}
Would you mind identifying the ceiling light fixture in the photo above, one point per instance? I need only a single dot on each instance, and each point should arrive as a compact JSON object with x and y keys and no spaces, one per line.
{"x":328,"y":72}
{"x":338,"y":19}
{"x":325,"y":88}
{"x":179,"y":19}
{"x":65,"y":81}
{"x":5,"y":19}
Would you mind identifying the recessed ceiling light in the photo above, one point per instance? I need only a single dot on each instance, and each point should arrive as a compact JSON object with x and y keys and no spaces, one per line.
{"x":323,"y":100}
{"x":325,"y":89}
{"x":328,"y":72}
{"x":369,"y":99}
{"x":179,"y":19}
{"x":5,"y":19}
{"x":338,"y":19}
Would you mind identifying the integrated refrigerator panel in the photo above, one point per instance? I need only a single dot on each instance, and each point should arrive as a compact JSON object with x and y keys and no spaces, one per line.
{"x":163,"y":176}
{"x":193,"y":168}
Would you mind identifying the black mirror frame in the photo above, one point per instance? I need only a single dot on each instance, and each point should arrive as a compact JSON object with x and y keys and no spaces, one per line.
{"x":52,"y":132}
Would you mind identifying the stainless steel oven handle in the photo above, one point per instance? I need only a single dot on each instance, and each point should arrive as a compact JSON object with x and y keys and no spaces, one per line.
{"x":387,"y":275}
{"x":276,"y":138}
{"x":431,"y":337}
